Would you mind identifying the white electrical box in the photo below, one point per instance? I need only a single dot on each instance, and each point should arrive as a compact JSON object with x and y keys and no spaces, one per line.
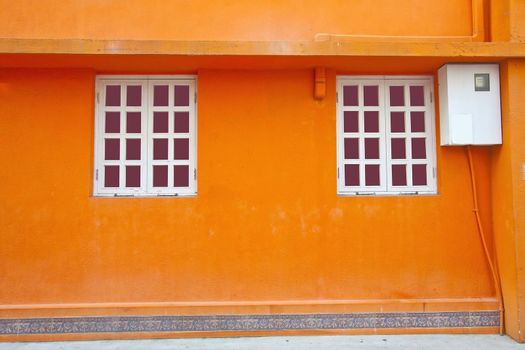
{"x":469,"y":104}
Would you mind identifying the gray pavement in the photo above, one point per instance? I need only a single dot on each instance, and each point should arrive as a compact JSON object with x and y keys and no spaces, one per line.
{"x":372,"y":342}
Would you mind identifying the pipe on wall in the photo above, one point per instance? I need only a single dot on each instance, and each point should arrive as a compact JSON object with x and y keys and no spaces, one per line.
{"x":478,"y":31}
{"x":481,"y":232}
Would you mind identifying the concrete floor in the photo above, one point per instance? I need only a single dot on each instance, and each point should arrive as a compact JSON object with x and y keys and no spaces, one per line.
{"x":405,"y":342}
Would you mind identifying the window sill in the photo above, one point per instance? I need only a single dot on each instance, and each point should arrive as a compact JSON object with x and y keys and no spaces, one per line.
{"x":107,"y":196}
{"x":388,"y":194}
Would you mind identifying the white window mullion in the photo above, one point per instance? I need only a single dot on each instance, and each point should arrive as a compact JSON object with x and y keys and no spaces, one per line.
{"x":409,"y":174}
{"x":193,"y":138}
{"x":171,"y":103}
{"x":149,"y":138}
{"x":385,"y":131}
{"x":382,"y":137}
{"x":339,"y":129}
{"x":145,"y":143}
{"x":122,"y":166}
{"x":123,"y":132}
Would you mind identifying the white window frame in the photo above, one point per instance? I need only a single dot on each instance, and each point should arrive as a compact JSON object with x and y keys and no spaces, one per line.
{"x":386,"y":187}
{"x":146,"y":135}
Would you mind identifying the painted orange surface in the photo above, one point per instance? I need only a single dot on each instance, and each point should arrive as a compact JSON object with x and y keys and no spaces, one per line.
{"x":266,"y":224}
{"x":509,"y":209}
{"x":160,"y":64}
{"x":507,"y":20}
{"x":516,"y":14}
{"x":266,"y":232}
{"x":500,"y":17}
{"x":231,"y":19}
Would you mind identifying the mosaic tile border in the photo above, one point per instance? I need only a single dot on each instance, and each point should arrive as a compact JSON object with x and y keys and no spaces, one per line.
{"x":219,"y":323}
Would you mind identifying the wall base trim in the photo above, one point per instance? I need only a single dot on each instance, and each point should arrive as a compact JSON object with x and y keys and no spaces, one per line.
{"x":259,"y":307}
{"x":256,"y":322}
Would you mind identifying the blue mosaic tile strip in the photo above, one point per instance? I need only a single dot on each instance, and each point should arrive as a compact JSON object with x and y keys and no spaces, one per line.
{"x":212,"y":323}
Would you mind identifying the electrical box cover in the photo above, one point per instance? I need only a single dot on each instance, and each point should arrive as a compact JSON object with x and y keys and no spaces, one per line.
{"x":469,"y":104}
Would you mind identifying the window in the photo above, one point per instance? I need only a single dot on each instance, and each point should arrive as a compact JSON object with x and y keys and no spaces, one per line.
{"x":145,"y":136}
{"x":385,"y":135}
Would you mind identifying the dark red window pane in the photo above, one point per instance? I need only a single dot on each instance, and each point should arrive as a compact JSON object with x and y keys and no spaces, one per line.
{"x":371,"y":121}
{"x":417,"y":96}
{"x":397,"y":95}
{"x":182,"y":95}
{"x":399,"y":175}
{"x":160,"y":121}
{"x":351,"y":122}
{"x":160,"y":95}
{"x":160,"y":149}
{"x":417,"y":121}
{"x":372,"y":175}
{"x":112,"y":121}
{"x":397,"y":121}
{"x":371,"y":94}
{"x":182,"y":122}
{"x":134,"y":95}
{"x":113,"y":95}
{"x":419,"y":174}
{"x":398,"y":148}
{"x":133,"y":122}
{"x":160,"y":176}
{"x":418,"y":148}
{"x":351,"y":174}
{"x":350,"y":96}
{"x":111,"y":149}
{"x":181,"y":149}
{"x":133,"y":149}
{"x":371,"y":148}
{"x":133,"y":176}
{"x":111,"y":176}
{"x":181,"y":175}
{"x":352,"y":148}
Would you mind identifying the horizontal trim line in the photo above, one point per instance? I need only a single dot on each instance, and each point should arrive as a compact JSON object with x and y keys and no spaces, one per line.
{"x":335,"y":47}
{"x":219,"y":323}
{"x":242,"y":303}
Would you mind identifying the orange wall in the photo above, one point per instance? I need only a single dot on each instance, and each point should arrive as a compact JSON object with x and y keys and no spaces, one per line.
{"x":507,"y":20}
{"x":517,"y":15}
{"x":509,"y":197}
{"x":266,"y":225}
{"x":232,"y":19}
